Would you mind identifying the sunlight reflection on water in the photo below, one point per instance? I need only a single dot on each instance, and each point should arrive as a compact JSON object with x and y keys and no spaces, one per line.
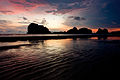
{"x":13,"y":43}
{"x":58,"y":59}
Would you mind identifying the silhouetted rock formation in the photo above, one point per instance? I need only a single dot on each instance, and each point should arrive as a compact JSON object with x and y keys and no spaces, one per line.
{"x":37,"y":29}
{"x":40,"y":29}
{"x":102,"y":31}
{"x":105,"y":31}
{"x":99,"y":31}
{"x":80,"y":31}
{"x":73,"y":31}
{"x":85,"y":31}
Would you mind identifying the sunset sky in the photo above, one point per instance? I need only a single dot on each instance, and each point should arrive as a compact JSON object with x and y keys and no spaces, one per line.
{"x":59,"y":15}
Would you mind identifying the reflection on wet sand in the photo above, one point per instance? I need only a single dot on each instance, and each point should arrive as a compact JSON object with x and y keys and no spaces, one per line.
{"x":99,"y":38}
{"x":17,"y":44}
{"x":12,"y":45}
{"x":61,"y":59}
{"x":105,"y":38}
{"x":102,"y":37}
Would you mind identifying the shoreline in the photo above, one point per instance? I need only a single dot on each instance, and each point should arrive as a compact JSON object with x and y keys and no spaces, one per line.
{"x":25,"y":37}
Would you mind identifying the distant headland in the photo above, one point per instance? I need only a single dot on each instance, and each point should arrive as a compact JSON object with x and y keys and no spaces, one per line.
{"x":34,"y":28}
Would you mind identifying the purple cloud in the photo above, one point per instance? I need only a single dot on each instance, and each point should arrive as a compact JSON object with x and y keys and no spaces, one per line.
{"x":6,"y":12}
{"x":63,"y":6}
{"x":77,"y":18}
{"x":4,"y":22}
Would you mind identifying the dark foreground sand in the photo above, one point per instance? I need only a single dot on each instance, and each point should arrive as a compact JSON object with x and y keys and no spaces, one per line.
{"x":61,"y":59}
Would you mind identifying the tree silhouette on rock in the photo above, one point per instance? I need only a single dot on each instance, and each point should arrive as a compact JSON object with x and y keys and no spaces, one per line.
{"x":80,"y":31}
{"x":37,"y":29}
{"x":73,"y":31}
{"x":105,"y":31}
{"x":102,"y":31}
{"x":85,"y":31}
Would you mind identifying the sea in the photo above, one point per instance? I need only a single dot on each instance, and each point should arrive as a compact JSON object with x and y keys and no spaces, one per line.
{"x":91,"y":58}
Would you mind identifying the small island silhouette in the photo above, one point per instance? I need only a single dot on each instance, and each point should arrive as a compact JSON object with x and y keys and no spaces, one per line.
{"x":102,"y":31}
{"x":34,"y":28}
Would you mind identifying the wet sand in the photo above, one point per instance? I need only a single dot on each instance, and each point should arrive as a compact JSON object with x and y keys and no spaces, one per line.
{"x":61,"y":59}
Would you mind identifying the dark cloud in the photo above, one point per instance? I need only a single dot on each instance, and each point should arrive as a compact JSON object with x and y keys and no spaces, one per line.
{"x":82,"y":18}
{"x":50,"y":11}
{"x":38,"y":1}
{"x":63,"y":6}
{"x":5,"y":22}
{"x":22,"y":22}
{"x":44,"y":22}
{"x":24,"y":18}
{"x":26,"y":21}
{"x":22,"y":3}
{"x":75,"y":21}
{"x":60,"y":6}
{"x":77,"y":18}
{"x":6,"y":12}
{"x":71,"y":23}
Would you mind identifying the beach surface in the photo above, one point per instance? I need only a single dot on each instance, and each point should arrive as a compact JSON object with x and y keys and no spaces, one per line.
{"x":60,"y":59}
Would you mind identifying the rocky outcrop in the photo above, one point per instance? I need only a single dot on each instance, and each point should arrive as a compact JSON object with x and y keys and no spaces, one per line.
{"x":37,"y":29}
{"x":73,"y":31}
{"x":85,"y":31}
{"x":102,"y":31}
{"x":80,"y":31}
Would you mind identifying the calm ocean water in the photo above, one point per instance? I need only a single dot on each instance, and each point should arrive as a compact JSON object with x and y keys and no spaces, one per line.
{"x":60,"y":59}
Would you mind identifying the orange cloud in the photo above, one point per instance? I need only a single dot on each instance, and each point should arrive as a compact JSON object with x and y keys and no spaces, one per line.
{"x":114,"y":29}
{"x":17,"y":6}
